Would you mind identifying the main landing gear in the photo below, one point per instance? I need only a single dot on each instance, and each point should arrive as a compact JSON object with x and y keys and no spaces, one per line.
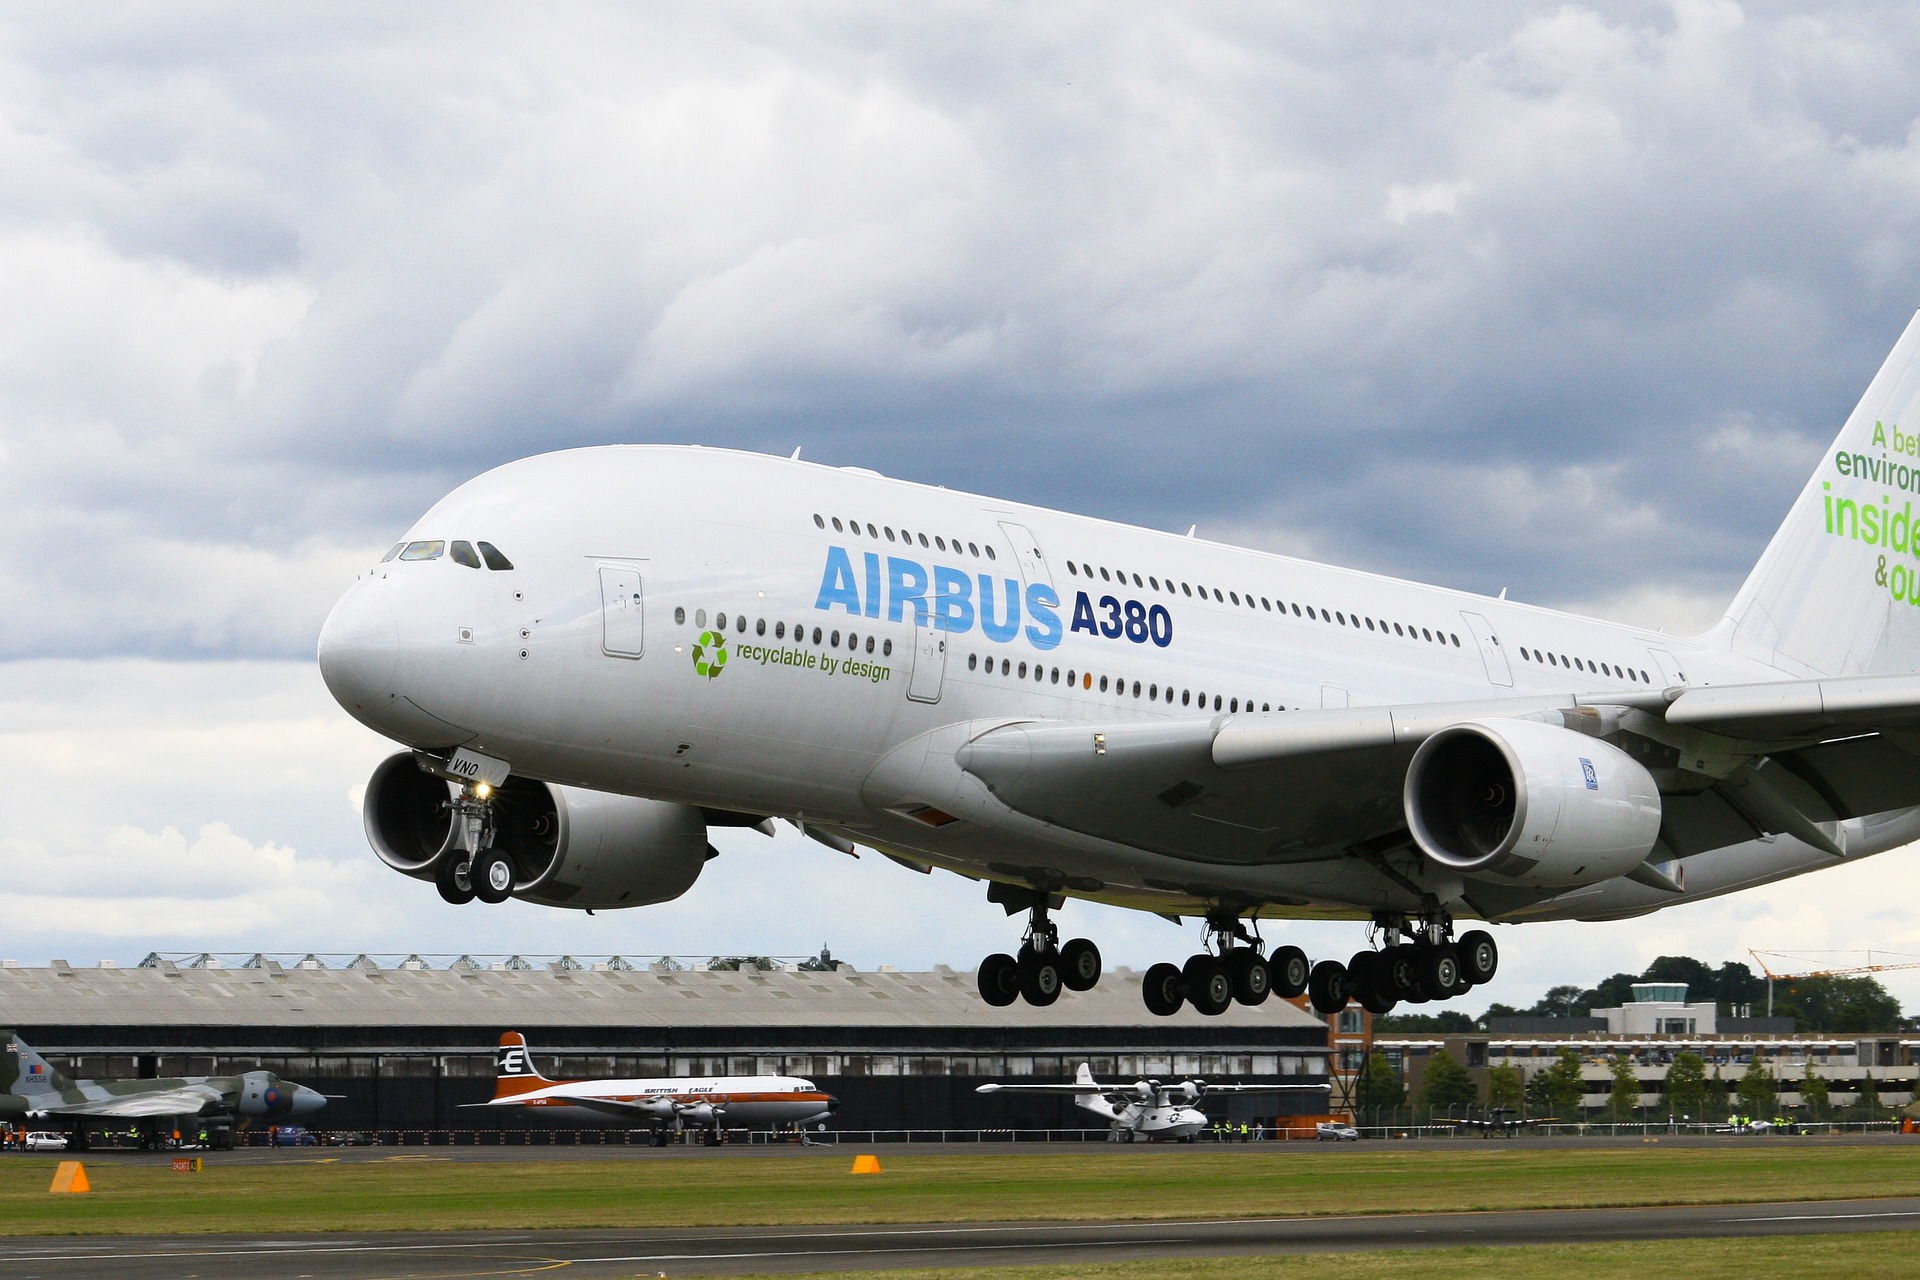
{"x":1043,"y":966}
{"x":1230,"y":968}
{"x":1431,"y":965}
{"x":475,"y":867}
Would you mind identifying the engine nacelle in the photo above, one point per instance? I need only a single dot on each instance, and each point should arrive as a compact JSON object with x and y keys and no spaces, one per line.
{"x":569,"y":847}
{"x":1530,"y":803}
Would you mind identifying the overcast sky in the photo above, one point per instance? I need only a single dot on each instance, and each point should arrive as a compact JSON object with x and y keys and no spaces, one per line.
{"x":1561,"y":299}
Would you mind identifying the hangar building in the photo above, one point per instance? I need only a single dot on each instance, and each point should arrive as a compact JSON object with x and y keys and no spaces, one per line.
{"x":407,"y":1041}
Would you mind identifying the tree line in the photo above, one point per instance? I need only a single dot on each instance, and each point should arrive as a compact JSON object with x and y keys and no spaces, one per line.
{"x":1816,"y":1004}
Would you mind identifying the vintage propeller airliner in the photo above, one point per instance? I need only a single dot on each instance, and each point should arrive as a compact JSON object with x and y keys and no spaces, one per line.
{"x":595,"y":656}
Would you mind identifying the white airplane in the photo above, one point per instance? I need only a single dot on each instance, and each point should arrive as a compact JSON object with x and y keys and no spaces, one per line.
{"x":1145,"y":1109}
{"x":664,"y":1105}
{"x":595,"y":656}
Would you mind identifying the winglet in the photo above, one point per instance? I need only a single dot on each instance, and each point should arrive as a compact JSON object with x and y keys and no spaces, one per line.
{"x":514,"y":1072}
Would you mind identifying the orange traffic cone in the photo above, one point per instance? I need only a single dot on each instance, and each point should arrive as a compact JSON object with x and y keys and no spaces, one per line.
{"x":866,"y":1164}
{"x":70,"y":1179}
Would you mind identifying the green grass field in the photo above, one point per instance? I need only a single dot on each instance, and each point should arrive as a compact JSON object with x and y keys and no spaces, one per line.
{"x":1858,"y":1257}
{"x":420,"y":1191}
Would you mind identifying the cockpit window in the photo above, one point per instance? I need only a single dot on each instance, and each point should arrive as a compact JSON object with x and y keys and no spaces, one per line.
{"x":423,"y":550}
{"x":397,"y":548}
{"x":494,"y":559}
{"x":463,"y":554}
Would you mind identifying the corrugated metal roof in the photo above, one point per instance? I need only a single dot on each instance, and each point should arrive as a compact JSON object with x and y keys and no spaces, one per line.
{"x":273,"y":996}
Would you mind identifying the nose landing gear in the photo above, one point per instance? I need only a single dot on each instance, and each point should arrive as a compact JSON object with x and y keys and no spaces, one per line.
{"x":476,"y":867}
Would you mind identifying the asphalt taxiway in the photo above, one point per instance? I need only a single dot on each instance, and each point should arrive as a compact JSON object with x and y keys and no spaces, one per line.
{"x":736,"y":1250}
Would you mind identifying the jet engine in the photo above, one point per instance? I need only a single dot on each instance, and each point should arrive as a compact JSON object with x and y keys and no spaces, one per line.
{"x":1530,"y":803}
{"x":569,"y":847}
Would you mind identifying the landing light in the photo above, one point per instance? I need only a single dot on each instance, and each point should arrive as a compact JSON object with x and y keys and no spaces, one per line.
{"x":481,"y":791}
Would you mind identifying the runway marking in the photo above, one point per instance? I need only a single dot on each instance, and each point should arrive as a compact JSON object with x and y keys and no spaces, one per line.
{"x":828,"y":1253}
{"x":1829,"y":1217}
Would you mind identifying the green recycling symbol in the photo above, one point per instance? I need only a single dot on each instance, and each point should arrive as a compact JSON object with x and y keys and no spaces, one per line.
{"x":709,"y":655}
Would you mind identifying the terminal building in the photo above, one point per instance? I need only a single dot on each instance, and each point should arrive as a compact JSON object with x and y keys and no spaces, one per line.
{"x":406,"y":1041}
{"x":1651,"y":1029}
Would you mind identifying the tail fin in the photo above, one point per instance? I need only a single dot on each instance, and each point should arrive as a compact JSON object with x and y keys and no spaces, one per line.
{"x":24,"y":1071}
{"x":1837,"y":592}
{"x":1084,"y":1075}
{"x":514,"y":1072}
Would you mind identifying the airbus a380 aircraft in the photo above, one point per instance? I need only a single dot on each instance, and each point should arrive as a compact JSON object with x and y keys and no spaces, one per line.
{"x":596,"y":655}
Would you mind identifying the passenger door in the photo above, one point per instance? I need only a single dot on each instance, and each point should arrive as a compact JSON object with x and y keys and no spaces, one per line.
{"x":622,"y":611}
{"x":929,"y":665}
{"x":1498,"y":669}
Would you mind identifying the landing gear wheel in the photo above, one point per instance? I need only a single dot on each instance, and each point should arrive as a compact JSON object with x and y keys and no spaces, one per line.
{"x":1479,"y":956}
{"x":1039,"y":977}
{"x":1164,"y":991}
{"x":492,"y":876}
{"x":1288,"y":969}
{"x":999,"y":979}
{"x":451,"y":878}
{"x":1327,"y":986}
{"x":1400,"y":975}
{"x":1252,"y":980}
{"x":1367,"y":974}
{"x":1080,"y":965}
{"x":1440,"y":972}
{"x":1209,"y":987}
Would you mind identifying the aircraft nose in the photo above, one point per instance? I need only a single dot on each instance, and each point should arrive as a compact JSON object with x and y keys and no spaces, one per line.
{"x":306,"y":1100}
{"x":360,"y":647}
{"x":833,"y":1104}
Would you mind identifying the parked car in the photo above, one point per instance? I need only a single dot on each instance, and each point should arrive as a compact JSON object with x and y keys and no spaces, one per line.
{"x":293,"y":1135}
{"x":46,"y":1142}
{"x":1334,"y":1131}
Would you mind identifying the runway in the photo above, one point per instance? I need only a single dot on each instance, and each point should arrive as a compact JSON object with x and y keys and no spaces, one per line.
{"x":736,"y":1250}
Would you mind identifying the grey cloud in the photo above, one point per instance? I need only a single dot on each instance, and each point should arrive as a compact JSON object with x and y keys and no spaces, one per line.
{"x":283,"y":277}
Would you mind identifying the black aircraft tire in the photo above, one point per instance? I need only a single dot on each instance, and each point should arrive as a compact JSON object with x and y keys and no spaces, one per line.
{"x":492,"y":876}
{"x":1479,"y":956}
{"x":1440,"y":971}
{"x":1252,"y":979}
{"x":999,"y":979}
{"x":1040,"y":980}
{"x":452,"y":880}
{"x":1327,"y":986}
{"x":1289,"y":970}
{"x":1163,"y":990}
{"x":1209,"y":985}
{"x":1401,"y":970}
{"x":1080,"y":965}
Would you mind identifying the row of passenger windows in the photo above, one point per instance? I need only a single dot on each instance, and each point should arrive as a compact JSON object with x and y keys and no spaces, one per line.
{"x":939,"y":542}
{"x":1251,"y":601}
{"x":821,"y":636}
{"x":463,"y":553}
{"x":1086,"y":680}
{"x":1584,"y":664}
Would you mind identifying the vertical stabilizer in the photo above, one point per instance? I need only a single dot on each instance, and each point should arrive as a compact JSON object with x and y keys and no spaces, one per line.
{"x":1837,"y":592}
{"x":514,"y":1072}
{"x":23,"y":1071}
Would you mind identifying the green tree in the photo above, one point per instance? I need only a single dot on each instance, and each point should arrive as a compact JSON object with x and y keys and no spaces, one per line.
{"x":1757,"y":1090}
{"x":1559,"y":1002}
{"x":1445,"y":1086}
{"x":1813,"y":1094}
{"x":1378,"y":1089}
{"x":1838,"y":1004}
{"x":1736,"y":985}
{"x":1446,"y":1021}
{"x":1624,"y":1100}
{"x":1503,"y":1087}
{"x":1565,"y":1090}
{"x":1687,"y":1086}
{"x":732,"y":963}
{"x":1538,"y":1093}
{"x":1700,"y":980}
{"x":1717,"y":1096}
{"x":1867,"y":1101}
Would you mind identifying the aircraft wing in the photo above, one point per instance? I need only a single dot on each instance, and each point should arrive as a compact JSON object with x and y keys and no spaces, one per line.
{"x":1260,"y":788}
{"x":1066,"y":1090}
{"x":184,"y":1100}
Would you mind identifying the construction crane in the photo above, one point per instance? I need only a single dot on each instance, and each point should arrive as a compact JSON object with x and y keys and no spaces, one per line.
{"x":1905,"y":960}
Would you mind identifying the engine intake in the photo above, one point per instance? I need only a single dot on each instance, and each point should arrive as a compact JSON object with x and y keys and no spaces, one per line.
{"x":570,"y":847}
{"x":1530,"y":803}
